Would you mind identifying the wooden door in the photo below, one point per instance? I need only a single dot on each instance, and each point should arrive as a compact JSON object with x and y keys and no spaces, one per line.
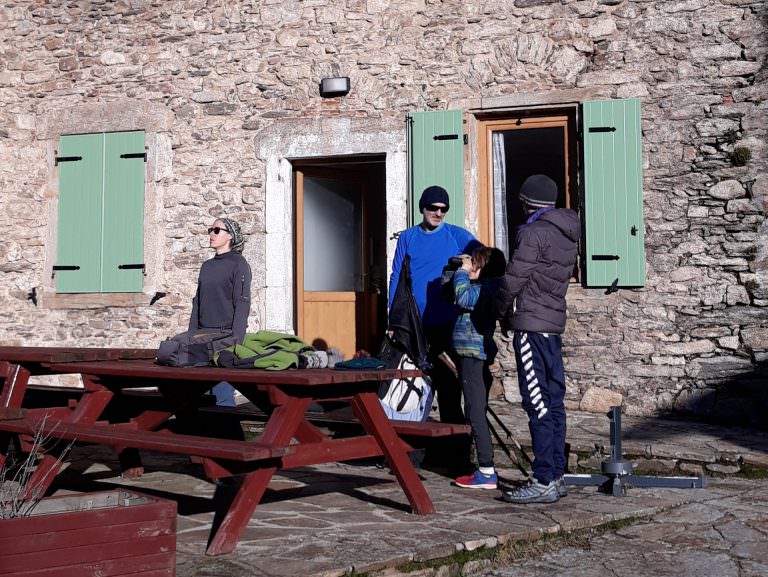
{"x":331,"y":260}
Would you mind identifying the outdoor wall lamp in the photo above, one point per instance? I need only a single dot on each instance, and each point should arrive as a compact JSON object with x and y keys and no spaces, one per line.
{"x":332,"y":87}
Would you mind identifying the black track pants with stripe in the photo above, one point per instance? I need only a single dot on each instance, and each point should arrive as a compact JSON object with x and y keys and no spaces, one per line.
{"x":542,"y":387}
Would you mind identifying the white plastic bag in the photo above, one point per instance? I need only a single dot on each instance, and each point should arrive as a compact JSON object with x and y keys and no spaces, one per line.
{"x":408,"y":399}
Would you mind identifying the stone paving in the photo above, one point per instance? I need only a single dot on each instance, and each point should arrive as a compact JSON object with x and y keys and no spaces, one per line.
{"x":725,"y":534}
{"x":330,"y":520}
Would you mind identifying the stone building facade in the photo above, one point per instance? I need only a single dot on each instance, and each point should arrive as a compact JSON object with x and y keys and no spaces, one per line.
{"x":226,"y":94}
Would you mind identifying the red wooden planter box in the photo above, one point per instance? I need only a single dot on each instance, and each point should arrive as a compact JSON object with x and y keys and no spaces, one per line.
{"x":102,"y":534}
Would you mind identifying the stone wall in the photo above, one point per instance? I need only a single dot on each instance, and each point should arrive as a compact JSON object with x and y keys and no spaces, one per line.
{"x":208,"y":79}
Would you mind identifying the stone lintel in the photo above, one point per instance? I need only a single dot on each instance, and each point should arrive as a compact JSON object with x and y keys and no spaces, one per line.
{"x":116,"y":116}
{"x":532,"y":99}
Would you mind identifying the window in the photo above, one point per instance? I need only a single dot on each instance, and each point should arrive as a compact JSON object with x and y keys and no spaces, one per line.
{"x":100,"y":229}
{"x":516,"y":148}
{"x":592,"y":151}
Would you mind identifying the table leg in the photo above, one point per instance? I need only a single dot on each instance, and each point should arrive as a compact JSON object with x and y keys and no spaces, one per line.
{"x":41,"y":479}
{"x":14,"y":386}
{"x":88,"y":410}
{"x":278,"y":431}
{"x":15,"y":379}
{"x":5,"y":445}
{"x":368,"y":409}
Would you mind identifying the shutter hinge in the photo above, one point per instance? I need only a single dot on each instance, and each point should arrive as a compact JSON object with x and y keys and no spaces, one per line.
{"x":605,"y":257}
{"x":135,"y":155}
{"x":63,"y":267}
{"x":466,"y":139}
{"x":602,"y":129}
{"x":445,"y":137}
{"x":140,"y":266}
{"x":66,"y":159}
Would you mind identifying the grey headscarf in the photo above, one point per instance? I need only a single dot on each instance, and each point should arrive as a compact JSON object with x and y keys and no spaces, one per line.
{"x":233,"y":228}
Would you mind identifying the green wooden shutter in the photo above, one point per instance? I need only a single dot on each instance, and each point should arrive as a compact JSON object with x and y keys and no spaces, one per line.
{"x":78,"y":254}
{"x":613,"y":193}
{"x":436,"y":147}
{"x":123,"y":241}
{"x":101,"y":213}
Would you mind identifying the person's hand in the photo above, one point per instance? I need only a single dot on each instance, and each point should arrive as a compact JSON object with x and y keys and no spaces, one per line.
{"x":466,"y":262}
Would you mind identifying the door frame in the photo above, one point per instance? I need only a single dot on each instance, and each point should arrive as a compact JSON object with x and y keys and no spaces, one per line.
{"x":285,"y":141}
{"x":361,"y":298}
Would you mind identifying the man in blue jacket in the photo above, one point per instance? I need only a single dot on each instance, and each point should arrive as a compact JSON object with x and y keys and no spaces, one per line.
{"x":429,"y":245}
{"x":531,"y":301}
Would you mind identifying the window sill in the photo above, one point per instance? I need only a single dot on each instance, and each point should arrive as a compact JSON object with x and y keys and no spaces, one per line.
{"x":52,"y":300}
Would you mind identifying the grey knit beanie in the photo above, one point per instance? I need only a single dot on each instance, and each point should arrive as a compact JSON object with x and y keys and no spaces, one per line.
{"x":539,"y":191}
{"x":233,"y":229}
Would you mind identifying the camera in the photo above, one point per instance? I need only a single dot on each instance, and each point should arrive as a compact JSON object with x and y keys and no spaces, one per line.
{"x":454,"y":263}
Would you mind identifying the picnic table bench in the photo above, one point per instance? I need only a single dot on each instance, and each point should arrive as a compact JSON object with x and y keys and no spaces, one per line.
{"x":106,"y":434}
{"x":289,"y":438}
{"x":330,"y":418}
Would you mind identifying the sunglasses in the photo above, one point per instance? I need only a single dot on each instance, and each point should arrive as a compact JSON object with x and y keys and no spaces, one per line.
{"x":217,"y":229}
{"x":435,"y":208}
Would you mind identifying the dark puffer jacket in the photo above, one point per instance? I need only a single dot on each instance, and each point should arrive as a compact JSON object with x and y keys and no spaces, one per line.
{"x":532,"y":294}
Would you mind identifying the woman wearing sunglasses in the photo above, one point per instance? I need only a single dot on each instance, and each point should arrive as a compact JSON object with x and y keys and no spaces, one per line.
{"x":222,"y":301}
{"x":223,"y":297}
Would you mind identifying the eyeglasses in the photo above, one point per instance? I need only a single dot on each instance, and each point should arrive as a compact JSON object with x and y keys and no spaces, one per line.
{"x":217,"y":229}
{"x":435,"y":208}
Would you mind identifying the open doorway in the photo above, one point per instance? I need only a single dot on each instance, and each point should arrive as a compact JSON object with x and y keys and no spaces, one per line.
{"x":340,"y":251}
{"x":512,"y":148}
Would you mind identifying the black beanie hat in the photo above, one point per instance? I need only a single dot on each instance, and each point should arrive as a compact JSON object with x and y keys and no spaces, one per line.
{"x":539,"y":191}
{"x":433,"y":194}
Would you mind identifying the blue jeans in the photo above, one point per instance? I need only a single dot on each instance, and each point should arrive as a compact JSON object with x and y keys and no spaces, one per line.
{"x":542,"y":386}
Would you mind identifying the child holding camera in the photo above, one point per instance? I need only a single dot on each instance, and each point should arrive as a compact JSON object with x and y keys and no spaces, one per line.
{"x":475,"y":284}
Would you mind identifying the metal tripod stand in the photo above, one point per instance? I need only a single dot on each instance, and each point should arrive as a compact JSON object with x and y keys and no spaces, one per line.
{"x":617,"y":473}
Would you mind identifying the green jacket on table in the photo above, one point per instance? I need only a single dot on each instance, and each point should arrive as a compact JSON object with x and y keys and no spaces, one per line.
{"x":264,"y":350}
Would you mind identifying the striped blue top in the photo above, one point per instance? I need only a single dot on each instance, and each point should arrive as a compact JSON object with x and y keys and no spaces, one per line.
{"x":474,"y":327}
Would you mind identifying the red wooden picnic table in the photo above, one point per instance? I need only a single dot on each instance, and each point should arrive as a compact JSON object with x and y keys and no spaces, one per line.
{"x":284,"y":395}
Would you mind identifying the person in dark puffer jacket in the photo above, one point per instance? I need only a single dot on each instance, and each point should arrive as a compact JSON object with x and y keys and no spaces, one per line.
{"x":531,"y":301}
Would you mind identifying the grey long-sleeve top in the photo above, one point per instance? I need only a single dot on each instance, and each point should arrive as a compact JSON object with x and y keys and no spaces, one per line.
{"x":223,"y":298}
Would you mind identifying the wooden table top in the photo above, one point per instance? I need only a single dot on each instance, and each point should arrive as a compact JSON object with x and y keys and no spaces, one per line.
{"x":71,"y":354}
{"x":145,"y":368}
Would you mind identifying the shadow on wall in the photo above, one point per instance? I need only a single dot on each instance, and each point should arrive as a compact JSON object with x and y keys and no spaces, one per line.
{"x":740,"y":399}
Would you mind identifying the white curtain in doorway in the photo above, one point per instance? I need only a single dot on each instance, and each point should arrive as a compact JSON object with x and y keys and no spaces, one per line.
{"x":501,"y":237}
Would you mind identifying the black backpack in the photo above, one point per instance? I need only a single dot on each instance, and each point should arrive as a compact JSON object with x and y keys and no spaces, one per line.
{"x":193,"y":348}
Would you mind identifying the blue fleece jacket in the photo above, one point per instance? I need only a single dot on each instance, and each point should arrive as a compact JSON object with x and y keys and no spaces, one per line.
{"x":429,"y":252}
